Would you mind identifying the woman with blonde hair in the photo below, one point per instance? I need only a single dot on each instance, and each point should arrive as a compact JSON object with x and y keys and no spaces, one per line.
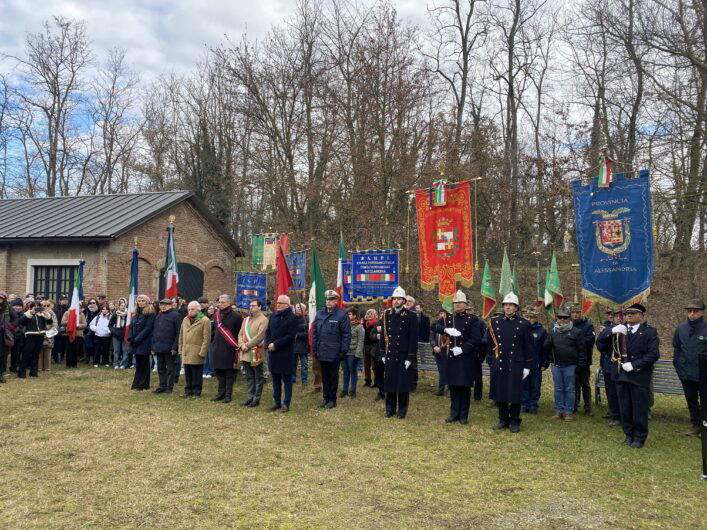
{"x":140,"y":340}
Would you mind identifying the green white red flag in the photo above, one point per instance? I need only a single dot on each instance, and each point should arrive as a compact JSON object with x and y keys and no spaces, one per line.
{"x":132,"y":299}
{"x":340,"y":271}
{"x":488,"y":295}
{"x":605,"y":175}
{"x":553,"y":291}
{"x":75,"y":307}
{"x":170,"y":266}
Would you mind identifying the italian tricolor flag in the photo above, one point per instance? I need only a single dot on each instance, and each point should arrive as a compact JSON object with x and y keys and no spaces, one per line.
{"x":375,"y":277}
{"x":132,"y":300}
{"x":553,"y":290}
{"x":170,"y":266}
{"x":340,"y":271}
{"x":317,"y":300}
{"x":605,"y":176}
{"x":75,"y":306}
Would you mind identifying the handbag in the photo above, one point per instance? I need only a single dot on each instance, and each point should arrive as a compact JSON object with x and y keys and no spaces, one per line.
{"x":8,"y":338}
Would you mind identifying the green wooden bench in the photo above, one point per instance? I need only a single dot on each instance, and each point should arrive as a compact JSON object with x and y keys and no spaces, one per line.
{"x":665,"y":380}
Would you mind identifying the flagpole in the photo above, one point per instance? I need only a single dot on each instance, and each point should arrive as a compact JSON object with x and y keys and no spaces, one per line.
{"x":476,"y":226}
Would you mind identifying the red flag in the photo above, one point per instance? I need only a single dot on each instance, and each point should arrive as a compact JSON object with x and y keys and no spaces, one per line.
{"x":285,"y":243}
{"x":284,"y":278}
{"x":586,"y":307}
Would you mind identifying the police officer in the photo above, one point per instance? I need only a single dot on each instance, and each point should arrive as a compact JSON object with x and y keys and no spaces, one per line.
{"x":510,"y":346}
{"x":604,"y":345}
{"x":582,"y":388}
{"x":399,"y":328}
{"x":461,"y":348}
{"x":634,"y":374}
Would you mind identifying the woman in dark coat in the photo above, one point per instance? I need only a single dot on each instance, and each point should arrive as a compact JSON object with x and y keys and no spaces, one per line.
{"x":280,"y":340}
{"x":140,"y":341}
{"x":226,"y":325}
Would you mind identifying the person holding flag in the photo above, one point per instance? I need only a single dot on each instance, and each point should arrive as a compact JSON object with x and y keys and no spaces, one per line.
{"x":316,"y":301}
{"x":74,"y":322}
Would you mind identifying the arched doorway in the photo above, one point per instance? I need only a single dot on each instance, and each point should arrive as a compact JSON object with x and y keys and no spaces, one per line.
{"x":191,"y":281}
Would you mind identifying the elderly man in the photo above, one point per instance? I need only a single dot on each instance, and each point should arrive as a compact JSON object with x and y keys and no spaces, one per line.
{"x":224,"y":356}
{"x":194,"y":339}
{"x":399,"y":330}
{"x":165,"y":344}
{"x":250,"y":339}
{"x":510,"y":344}
{"x":460,"y":346}
{"x":331,"y":339}
{"x":689,"y":343}
{"x":634,"y":374}
{"x":280,"y":338}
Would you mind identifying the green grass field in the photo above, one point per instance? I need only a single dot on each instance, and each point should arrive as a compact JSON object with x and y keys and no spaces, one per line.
{"x":81,"y":450}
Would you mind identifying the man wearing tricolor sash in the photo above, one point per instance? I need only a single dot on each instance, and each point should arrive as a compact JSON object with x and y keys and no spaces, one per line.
{"x":227,"y":324}
{"x":250,"y":339}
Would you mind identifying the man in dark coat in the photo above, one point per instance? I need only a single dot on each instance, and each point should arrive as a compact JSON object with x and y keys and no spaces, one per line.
{"x":582,"y":388}
{"x":634,"y":374}
{"x":165,"y":344}
{"x":608,"y":368}
{"x":533,"y":383}
{"x":224,"y":357}
{"x":301,"y":345}
{"x":510,"y":345}
{"x":61,"y":340}
{"x":400,"y":330}
{"x":461,"y":348}
{"x":331,"y":338}
{"x":280,"y":339}
{"x":689,"y":342}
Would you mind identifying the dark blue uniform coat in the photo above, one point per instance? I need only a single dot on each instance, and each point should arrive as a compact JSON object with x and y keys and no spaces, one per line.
{"x":642,"y":352}
{"x":459,"y":369}
{"x":515,"y":352}
{"x":400,"y":332}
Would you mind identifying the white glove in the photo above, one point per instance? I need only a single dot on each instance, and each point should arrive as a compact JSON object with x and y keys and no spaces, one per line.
{"x":383,"y":360}
{"x":620,"y":329}
{"x":407,"y":364}
{"x":456,"y":350}
{"x":526,"y":372}
{"x":628,"y":367}
{"x":452,"y":332}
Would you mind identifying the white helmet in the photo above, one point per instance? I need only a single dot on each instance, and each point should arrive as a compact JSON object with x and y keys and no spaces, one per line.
{"x":399,"y":292}
{"x":511,"y":298}
{"x":459,"y":296}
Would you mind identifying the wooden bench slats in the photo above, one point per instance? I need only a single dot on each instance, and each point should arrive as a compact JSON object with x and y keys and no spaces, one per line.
{"x":665,"y":380}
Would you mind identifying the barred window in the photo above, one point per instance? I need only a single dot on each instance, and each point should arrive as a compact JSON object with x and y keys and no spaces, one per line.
{"x":52,"y":281}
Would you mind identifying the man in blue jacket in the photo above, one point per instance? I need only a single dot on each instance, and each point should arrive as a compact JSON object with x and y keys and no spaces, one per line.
{"x":165,"y":343}
{"x":689,"y":342}
{"x":533,"y":383}
{"x":331,"y":338}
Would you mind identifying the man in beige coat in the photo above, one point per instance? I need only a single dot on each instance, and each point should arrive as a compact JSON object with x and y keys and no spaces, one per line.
{"x":194,"y":339}
{"x":250,"y":339}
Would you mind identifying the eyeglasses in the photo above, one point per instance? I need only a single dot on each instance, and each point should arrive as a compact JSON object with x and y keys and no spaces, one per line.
{"x":45,"y":305}
{"x":563,"y":318}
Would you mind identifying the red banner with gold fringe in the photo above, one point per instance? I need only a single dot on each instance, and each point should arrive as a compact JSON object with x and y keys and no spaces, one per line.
{"x":445,"y":240}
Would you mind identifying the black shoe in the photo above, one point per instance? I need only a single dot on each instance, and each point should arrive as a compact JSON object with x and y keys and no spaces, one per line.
{"x":274,"y":408}
{"x":352,"y":395}
{"x":500,"y":425}
{"x":439,"y":393}
{"x":285,"y":408}
{"x":606,"y":416}
{"x":636,"y":445}
{"x":330,"y":405}
{"x":343,"y":393}
{"x":247,"y":403}
{"x":218,"y":397}
{"x":323,"y":404}
{"x":627,"y":441}
{"x":254,"y":404}
{"x":515,"y":428}
{"x":401,"y":417}
{"x":389,"y":415}
{"x":227,"y":399}
{"x":367,"y":383}
{"x":463,"y":422}
{"x":451,"y":419}
{"x":378,"y":397}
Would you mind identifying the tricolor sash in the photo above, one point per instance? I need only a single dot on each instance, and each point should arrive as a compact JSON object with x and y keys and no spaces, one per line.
{"x":225,"y":333}
{"x":255,"y":355}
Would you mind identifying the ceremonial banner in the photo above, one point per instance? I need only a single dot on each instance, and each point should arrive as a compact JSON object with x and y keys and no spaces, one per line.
{"x":249,"y":286}
{"x":445,"y":240}
{"x":297,"y":263}
{"x":346,"y":276}
{"x":270,"y":250}
{"x":615,"y":239}
{"x":257,"y":242}
{"x":374,"y":274}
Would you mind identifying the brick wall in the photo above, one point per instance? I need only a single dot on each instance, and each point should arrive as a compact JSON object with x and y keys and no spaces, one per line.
{"x":107,"y":266}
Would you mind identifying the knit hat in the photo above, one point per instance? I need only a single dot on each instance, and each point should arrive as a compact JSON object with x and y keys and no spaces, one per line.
{"x":17,"y":301}
{"x":144,"y":297}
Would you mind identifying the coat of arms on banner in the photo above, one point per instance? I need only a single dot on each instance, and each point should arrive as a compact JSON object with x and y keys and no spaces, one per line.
{"x":447,"y":238}
{"x":613,"y":235}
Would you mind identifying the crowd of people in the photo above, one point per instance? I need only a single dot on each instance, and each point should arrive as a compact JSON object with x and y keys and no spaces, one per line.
{"x":199,"y":339}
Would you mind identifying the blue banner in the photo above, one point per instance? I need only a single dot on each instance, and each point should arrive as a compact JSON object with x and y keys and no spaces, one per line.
{"x":297,"y":263}
{"x":346,"y":273}
{"x":615,"y":238}
{"x":250,"y":286}
{"x":374,"y":274}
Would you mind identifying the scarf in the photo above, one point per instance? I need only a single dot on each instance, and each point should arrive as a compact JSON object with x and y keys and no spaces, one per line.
{"x":370,"y":323}
{"x":120,"y":317}
{"x":562,"y":328}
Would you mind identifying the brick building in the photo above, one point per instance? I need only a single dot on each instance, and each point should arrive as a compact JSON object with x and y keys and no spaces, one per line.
{"x":42,"y":239}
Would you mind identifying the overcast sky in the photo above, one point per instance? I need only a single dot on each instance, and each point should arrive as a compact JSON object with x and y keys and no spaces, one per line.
{"x":159,"y":35}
